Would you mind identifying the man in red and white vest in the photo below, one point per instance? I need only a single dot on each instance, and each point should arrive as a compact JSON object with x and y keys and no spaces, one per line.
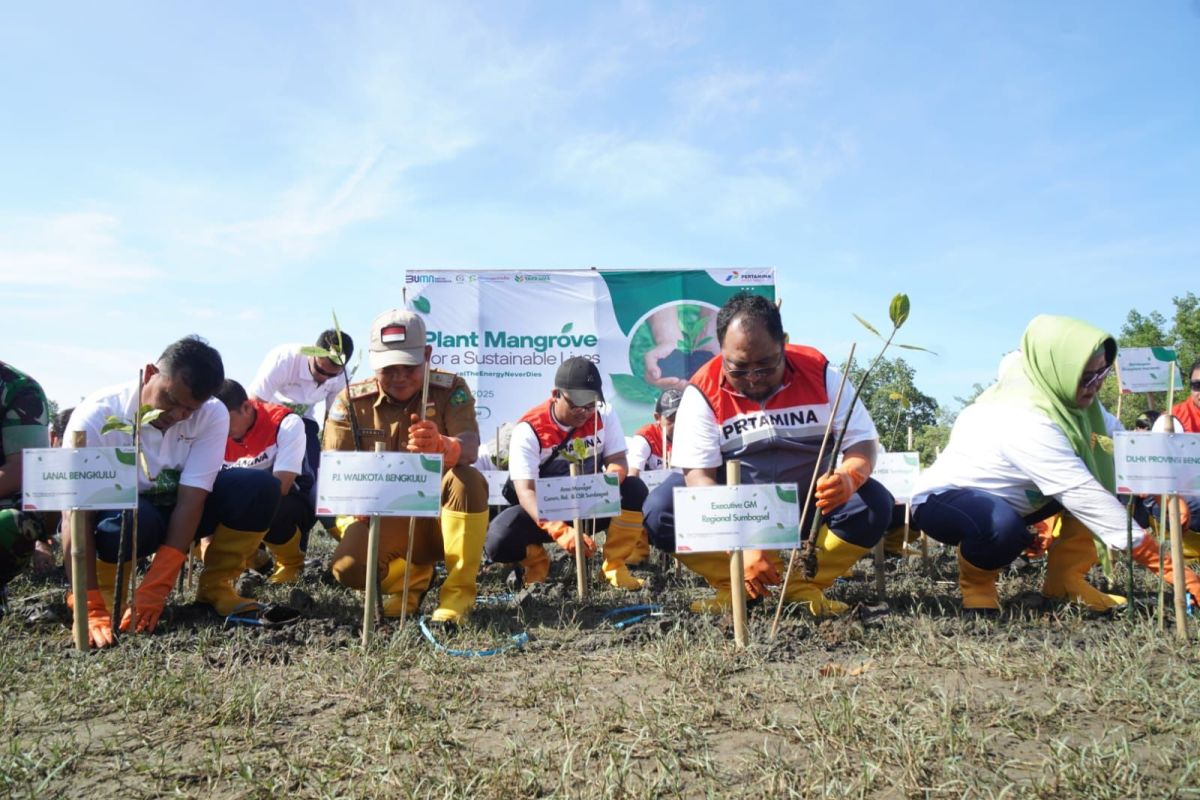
{"x":271,"y":437}
{"x":575,"y":412}
{"x":766,"y":403}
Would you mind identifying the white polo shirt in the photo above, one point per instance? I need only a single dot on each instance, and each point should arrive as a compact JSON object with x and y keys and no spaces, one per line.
{"x":284,"y":378}
{"x":193,"y":449}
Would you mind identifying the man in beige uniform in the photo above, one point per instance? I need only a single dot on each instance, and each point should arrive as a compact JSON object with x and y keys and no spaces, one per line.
{"x":387,"y":409}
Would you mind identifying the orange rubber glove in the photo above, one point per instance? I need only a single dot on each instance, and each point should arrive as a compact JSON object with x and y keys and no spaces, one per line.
{"x":99,"y":620}
{"x":151,"y":594}
{"x":564,"y":534}
{"x":617,"y":470}
{"x":835,"y":489}
{"x":1146,"y":554}
{"x":423,"y":437}
{"x":758,"y":573}
{"x":1185,"y":516}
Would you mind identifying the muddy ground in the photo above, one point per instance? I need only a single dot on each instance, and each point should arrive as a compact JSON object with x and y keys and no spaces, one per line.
{"x":903,"y":699}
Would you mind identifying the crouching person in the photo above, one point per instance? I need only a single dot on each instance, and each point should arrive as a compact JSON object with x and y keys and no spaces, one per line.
{"x":386,"y":408}
{"x":182,"y":493}
{"x":766,"y":403}
{"x":271,"y":438}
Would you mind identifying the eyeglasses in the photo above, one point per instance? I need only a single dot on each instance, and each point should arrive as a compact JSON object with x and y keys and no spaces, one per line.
{"x":1196,"y":386}
{"x":757,"y":372}
{"x":588,"y":407}
{"x":1089,"y":380}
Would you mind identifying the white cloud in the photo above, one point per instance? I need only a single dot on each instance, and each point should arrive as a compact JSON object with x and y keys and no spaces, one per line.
{"x":74,"y":251}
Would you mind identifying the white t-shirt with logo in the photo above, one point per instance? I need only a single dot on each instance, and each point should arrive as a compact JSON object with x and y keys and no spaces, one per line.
{"x":524,"y":450}
{"x":194,"y":448}
{"x":285,"y":454}
{"x":1021,"y":456}
{"x":697,"y":440}
{"x":284,"y":378}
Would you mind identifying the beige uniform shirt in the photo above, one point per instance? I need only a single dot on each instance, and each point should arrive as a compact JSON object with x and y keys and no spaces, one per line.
{"x":451,"y":407}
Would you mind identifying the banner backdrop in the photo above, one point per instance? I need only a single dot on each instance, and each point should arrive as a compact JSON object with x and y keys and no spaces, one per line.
{"x":507,"y":332}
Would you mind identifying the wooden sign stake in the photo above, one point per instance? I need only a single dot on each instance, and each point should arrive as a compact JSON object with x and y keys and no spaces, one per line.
{"x":737,"y":580}
{"x":372,"y":573}
{"x":79,"y":571}
{"x":581,"y":570}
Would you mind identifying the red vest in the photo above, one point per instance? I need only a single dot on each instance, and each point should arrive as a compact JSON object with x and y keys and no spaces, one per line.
{"x":776,"y":440}
{"x":258,"y":448}
{"x":653,"y":434}
{"x":550,"y":435}
{"x":1189,"y":415}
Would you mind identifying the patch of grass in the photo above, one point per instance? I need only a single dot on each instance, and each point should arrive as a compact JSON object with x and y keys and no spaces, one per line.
{"x":1051,"y":702}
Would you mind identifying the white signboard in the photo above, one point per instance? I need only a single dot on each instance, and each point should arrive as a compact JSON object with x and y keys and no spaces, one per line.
{"x":387,"y":484}
{"x":496,"y":480}
{"x":568,"y":498}
{"x":897,"y":472}
{"x":1146,"y":369}
{"x":84,"y":478}
{"x":762,"y":516}
{"x":653,"y":478}
{"x":1157,"y":463}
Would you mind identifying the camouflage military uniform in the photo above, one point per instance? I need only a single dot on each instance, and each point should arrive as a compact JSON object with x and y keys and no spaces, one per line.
{"x":451,"y":407}
{"x":24,"y":423}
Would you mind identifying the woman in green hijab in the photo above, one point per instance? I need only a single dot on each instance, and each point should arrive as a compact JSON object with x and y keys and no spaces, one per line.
{"x":1035,"y":444}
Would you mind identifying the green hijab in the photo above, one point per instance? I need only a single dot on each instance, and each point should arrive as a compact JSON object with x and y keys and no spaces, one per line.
{"x":1054,"y":352}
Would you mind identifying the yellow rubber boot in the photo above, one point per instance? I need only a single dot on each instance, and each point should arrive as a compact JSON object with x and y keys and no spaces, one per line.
{"x":462,"y":541}
{"x":835,"y":557}
{"x":622,"y":538}
{"x":978,"y":586}
{"x":106,"y":581}
{"x":392,"y":587}
{"x":895,"y":543}
{"x":223,"y":562}
{"x":536,"y":564}
{"x":339,"y":525}
{"x":641,"y":549}
{"x":258,"y":561}
{"x":289,"y":560}
{"x":714,"y":568}
{"x":1071,"y":555}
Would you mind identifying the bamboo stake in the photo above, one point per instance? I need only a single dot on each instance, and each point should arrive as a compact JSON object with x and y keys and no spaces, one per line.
{"x":737,"y":579}
{"x":595,"y":471}
{"x":581,"y":570}
{"x":412,"y":521}
{"x":1120,"y":394}
{"x":1129,"y":554}
{"x":133,"y":537}
{"x":880,"y":579}
{"x":1172,"y":509}
{"x":811,"y":485}
{"x":79,"y":572}
{"x":372,"y":573}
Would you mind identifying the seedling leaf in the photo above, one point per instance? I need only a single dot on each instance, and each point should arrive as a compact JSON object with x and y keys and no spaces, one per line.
{"x":898,"y":311}
{"x":914,"y":347}
{"x":866,"y":325}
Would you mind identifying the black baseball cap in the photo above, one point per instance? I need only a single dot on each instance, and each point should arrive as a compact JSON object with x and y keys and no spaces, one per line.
{"x":580,"y":381}
{"x":668,"y":402}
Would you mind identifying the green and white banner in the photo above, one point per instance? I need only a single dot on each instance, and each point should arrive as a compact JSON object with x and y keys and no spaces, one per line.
{"x":760,"y":516}
{"x":386,"y":484}
{"x":78,"y":479}
{"x":506,"y":332}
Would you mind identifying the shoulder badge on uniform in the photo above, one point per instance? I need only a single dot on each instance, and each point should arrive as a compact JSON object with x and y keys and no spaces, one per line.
{"x":459,"y":396}
{"x":364,"y":389}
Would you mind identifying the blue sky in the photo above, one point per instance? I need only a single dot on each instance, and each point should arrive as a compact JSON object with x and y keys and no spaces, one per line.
{"x":239,"y":169}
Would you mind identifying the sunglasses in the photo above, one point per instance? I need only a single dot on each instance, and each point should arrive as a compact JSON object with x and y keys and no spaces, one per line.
{"x":757,"y":372}
{"x":1196,"y":386}
{"x":316,"y":365}
{"x":1090,"y":380}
